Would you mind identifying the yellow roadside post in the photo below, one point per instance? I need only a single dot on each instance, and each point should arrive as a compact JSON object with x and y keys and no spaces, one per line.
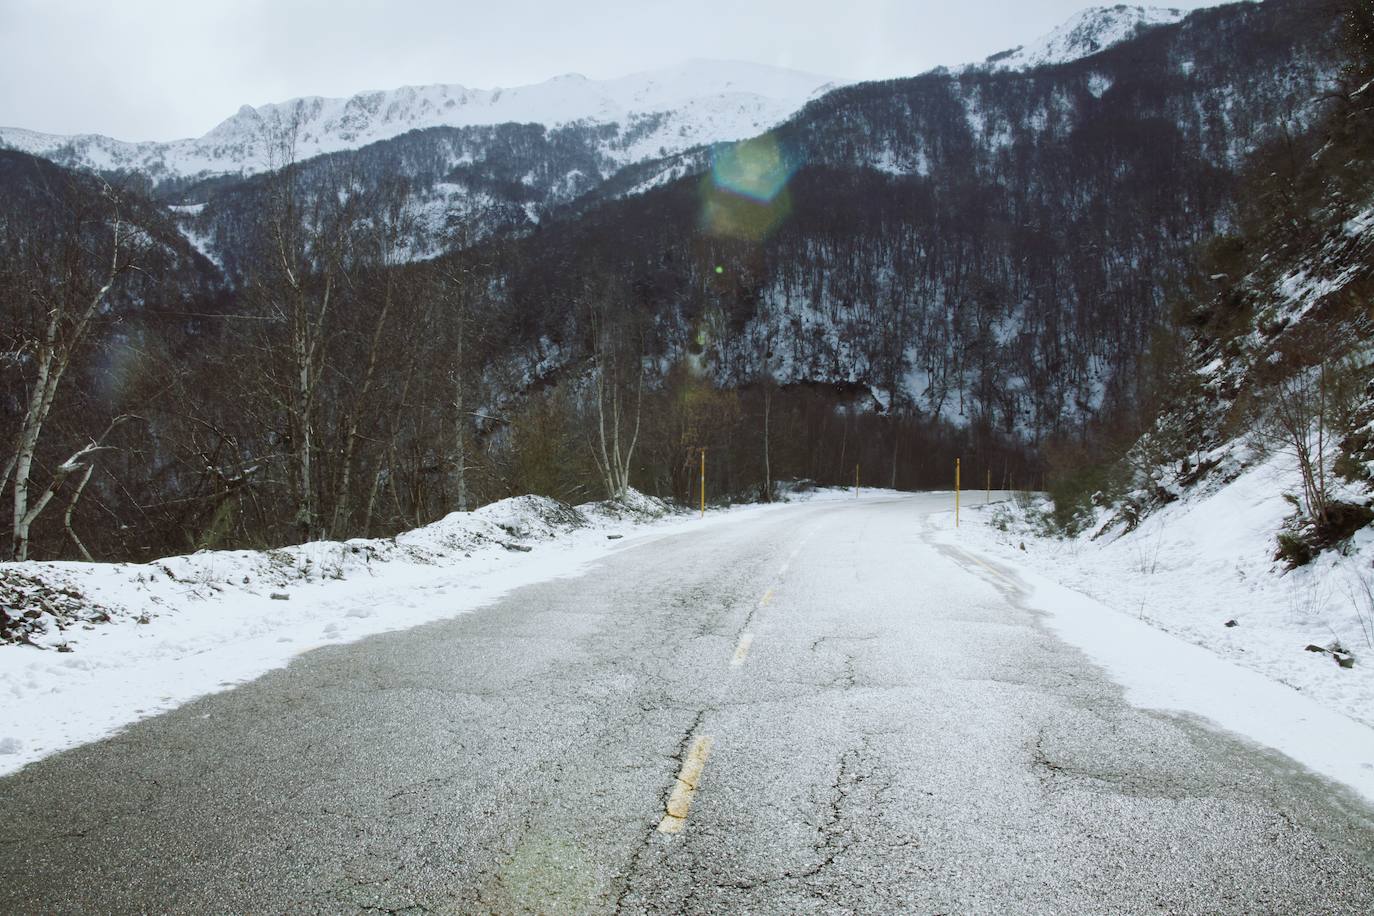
{"x":703,"y":483}
{"x":956,"y":492}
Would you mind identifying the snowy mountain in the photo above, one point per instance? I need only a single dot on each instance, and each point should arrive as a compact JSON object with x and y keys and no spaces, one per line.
{"x":655,"y":113}
{"x":1084,"y":34}
{"x":951,"y":260}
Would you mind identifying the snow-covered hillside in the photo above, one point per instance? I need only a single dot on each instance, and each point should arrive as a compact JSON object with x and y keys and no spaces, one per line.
{"x":1189,"y":613}
{"x":1084,"y":34}
{"x":1203,"y":568}
{"x":657,"y":113}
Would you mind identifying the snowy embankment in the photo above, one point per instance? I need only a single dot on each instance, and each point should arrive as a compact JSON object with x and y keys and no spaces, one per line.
{"x":106,"y":644}
{"x":1190,"y":613}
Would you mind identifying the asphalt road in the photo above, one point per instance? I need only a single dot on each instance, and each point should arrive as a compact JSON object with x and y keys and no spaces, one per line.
{"x":814,"y":710}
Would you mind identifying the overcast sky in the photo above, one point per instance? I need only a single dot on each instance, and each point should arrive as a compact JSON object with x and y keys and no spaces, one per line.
{"x":163,"y":69}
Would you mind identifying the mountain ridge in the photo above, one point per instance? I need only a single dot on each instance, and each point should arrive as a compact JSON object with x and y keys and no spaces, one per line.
{"x":1087,"y":32}
{"x":657,"y":111}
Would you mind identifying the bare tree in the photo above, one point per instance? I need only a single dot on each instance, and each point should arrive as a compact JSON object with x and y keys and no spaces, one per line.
{"x":1306,"y":413}
{"x":69,"y":285}
{"x":390,"y":222}
{"x":457,"y":285}
{"x":83,"y":459}
{"x":306,"y":250}
{"x":618,"y":379}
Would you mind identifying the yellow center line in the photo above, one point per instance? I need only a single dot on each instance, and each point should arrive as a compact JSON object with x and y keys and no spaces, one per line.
{"x":767,"y":597}
{"x":742,"y":650}
{"x":680,"y":802}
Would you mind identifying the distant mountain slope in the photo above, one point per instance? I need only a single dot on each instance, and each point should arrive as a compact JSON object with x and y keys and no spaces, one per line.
{"x":992,"y":248}
{"x":40,"y":200}
{"x":1084,"y":34}
{"x":655,"y":113}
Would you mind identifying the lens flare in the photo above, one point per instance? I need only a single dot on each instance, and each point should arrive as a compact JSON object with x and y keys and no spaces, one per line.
{"x":757,"y":169}
{"x":745,"y":195}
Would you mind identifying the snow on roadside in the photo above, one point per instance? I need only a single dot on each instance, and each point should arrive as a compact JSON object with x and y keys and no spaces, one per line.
{"x":117,"y":642}
{"x":1152,"y":607}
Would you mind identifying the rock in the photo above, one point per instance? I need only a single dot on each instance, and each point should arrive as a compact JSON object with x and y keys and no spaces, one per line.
{"x":520,"y":547}
{"x":1343,"y":656}
{"x":280,"y":596}
{"x":614,"y":537}
{"x":1312,"y":648}
{"x":1231,"y":623}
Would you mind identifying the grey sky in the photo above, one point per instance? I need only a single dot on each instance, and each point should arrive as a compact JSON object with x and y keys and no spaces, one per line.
{"x":162,"y":69}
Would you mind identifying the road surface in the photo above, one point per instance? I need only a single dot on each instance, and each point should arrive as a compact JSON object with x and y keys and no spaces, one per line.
{"x":811,"y":710}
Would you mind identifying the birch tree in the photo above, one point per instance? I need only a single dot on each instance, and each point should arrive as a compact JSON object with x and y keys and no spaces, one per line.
{"x":388,"y":224}
{"x":455,"y":296}
{"x":65,"y":285}
{"x":305,"y":256}
{"x":618,"y":392}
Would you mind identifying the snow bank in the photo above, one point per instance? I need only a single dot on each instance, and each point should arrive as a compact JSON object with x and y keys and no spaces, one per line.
{"x":1190,"y":613}
{"x":111,"y":643}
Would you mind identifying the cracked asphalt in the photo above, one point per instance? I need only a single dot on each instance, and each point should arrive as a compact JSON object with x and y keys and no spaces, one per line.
{"x":900,"y":735}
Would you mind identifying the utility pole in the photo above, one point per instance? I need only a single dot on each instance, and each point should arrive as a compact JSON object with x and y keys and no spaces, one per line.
{"x":956,"y":492}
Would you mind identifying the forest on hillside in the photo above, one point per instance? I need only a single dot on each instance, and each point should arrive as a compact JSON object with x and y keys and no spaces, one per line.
{"x":1268,"y":345}
{"x":881,"y":285}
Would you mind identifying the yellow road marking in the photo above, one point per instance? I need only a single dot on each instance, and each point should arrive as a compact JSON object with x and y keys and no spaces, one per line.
{"x":742,"y":650}
{"x":675,"y":817}
{"x":767,"y":597}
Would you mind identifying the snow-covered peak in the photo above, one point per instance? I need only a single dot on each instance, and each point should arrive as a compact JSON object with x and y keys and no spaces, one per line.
{"x":700,"y":101}
{"x":1086,"y":33}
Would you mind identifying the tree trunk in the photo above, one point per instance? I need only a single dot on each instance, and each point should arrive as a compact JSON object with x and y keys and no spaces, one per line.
{"x":460,"y":431}
{"x":54,"y":355}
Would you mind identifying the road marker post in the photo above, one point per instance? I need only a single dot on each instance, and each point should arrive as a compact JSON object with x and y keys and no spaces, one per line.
{"x":956,"y":492}
{"x":703,"y":483}
{"x":988,"y":498}
{"x":856,"y":480}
